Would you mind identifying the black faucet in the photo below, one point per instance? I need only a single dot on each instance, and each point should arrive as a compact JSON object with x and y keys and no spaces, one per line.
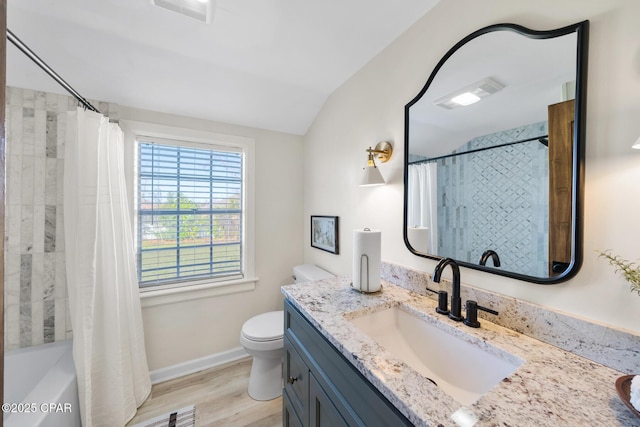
{"x":456,"y":301}
{"x":494,"y":256}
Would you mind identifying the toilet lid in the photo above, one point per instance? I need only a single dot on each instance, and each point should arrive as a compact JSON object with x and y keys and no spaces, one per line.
{"x":264,"y":327}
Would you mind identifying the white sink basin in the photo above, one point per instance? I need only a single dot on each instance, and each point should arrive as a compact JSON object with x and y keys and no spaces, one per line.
{"x":461,"y":369}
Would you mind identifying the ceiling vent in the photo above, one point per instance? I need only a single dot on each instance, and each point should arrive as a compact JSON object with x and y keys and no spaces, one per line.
{"x":196,"y":9}
{"x":469,"y":94}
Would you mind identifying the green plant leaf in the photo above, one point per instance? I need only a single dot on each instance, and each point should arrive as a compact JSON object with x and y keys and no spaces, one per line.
{"x":629,"y":270}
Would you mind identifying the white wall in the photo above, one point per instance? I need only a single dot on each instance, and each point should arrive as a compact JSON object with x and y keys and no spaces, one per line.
{"x":370,"y":107}
{"x":183,"y":331}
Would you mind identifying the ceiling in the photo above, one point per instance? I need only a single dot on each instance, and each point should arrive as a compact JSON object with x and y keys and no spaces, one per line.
{"x":269,"y":64}
{"x":533,"y":72}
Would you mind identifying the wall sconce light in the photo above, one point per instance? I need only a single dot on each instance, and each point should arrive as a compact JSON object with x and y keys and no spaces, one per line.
{"x":637,"y":144}
{"x":371,"y":174}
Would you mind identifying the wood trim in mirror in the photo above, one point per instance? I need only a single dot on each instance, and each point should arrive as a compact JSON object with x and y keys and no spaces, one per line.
{"x":561,"y":123}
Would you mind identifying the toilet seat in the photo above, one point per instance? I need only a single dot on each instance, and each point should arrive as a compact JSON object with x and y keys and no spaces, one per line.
{"x":264,"y":327}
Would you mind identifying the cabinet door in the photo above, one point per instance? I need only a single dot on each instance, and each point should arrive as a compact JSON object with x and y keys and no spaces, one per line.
{"x":296,"y":380}
{"x":322,"y":411}
{"x":289,"y":416}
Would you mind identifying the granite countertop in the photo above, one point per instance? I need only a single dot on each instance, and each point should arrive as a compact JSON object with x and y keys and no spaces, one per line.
{"x":552,"y":387}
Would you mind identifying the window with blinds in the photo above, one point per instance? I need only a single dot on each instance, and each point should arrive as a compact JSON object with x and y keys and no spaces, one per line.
{"x":189,"y":212}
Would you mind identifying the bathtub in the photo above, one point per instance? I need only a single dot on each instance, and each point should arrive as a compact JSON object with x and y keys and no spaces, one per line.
{"x":40,"y":387}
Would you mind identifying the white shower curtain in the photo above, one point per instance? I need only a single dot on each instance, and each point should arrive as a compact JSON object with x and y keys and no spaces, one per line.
{"x":108,"y":338}
{"x":423,"y":201}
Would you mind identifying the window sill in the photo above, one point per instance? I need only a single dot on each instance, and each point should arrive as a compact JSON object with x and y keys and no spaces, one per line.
{"x":154,"y":298}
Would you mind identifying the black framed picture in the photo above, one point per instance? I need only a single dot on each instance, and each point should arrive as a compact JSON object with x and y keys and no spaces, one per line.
{"x":324,"y":233}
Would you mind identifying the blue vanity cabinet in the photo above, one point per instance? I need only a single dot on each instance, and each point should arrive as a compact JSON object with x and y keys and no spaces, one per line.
{"x":322,"y":411}
{"x":289,"y":416}
{"x":322,"y":388}
{"x":296,"y":386}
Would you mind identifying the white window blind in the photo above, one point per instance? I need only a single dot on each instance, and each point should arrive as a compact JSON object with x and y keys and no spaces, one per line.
{"x":189,"y":212}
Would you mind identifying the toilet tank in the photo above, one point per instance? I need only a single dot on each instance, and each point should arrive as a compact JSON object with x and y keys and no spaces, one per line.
{"x":309,"y":273}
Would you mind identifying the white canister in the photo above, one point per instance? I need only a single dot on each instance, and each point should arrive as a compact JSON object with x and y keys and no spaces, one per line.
{"x":367,"y":254}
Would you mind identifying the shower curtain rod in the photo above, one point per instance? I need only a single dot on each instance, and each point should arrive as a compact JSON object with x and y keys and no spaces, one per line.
{"x":543,"y":139}
{"x":40,"y":63}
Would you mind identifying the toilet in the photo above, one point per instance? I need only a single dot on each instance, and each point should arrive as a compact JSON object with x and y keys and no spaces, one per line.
{"x":262,"y":338}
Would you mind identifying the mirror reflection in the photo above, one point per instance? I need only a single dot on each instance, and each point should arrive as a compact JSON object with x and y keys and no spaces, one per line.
{"x":492,"y":157}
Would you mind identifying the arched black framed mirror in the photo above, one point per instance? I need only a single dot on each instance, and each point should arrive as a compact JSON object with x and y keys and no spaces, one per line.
{"x":494,"y":154}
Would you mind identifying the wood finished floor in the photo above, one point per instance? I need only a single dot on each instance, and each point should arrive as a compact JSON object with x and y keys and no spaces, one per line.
{"x":220,"y":396}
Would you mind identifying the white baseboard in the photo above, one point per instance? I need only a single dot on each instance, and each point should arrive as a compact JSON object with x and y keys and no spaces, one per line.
{"x":196,"y":365}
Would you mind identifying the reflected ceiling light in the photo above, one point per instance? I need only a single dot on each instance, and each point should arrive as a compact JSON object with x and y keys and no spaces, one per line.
{"x":371,"y":173}
{"x":469,"y":94}
{"x":637,"y":144}
{"x":466,"y":98}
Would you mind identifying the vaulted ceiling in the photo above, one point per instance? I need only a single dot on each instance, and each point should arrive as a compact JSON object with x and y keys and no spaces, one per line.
{"x":268,"y":64}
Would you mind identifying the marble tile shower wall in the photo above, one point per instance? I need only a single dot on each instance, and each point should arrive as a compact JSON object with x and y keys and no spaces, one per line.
{"x":502,"y":202}
{"x":36,"y":300}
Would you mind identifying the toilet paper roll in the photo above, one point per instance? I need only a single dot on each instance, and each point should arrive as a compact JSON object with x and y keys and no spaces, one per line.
{"x":367,"y":260}
{"x":419,"y":238}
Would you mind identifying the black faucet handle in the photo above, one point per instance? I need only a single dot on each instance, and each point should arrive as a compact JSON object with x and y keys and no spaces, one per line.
{"x":433,"y":291}
{"x":472,"y":313}
{"x":443,"y":301}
